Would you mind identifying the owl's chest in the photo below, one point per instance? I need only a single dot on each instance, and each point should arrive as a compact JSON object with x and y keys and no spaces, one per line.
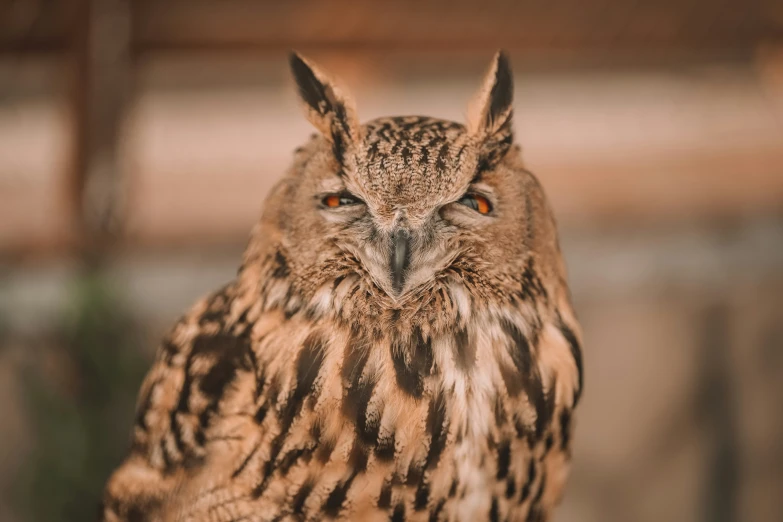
{"x":472,"y":459}
{"x":491,"y":431}
{"x":492,"y":468}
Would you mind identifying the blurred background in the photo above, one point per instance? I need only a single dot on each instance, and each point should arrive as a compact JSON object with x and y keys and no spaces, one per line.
{"x":139,"y":138}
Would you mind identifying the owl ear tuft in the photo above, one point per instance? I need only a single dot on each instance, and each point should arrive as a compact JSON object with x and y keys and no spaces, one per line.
{"x":327,"y":106}
{"x":490,"y":110}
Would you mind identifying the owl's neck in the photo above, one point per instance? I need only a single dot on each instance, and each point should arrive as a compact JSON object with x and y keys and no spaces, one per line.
{"x":453,"y":302}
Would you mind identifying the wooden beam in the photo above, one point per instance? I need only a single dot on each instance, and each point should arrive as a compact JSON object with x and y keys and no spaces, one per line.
{"x":600,"y":25}
{"x":570,"y":27}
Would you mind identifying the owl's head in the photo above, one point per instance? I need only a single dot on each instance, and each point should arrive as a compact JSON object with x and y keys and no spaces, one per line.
{"x":407,"y":202}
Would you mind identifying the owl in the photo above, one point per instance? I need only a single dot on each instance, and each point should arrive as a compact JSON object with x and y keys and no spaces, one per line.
{"x":398,"y":343}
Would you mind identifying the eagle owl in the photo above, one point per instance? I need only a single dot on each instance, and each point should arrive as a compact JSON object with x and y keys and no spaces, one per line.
{"x":398,"y":343}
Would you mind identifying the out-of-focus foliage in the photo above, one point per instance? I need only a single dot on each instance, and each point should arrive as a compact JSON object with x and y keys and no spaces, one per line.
{"x":80,"y":423}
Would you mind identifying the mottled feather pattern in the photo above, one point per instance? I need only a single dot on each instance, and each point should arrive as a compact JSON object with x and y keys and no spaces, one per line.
{"x":308,"y":389}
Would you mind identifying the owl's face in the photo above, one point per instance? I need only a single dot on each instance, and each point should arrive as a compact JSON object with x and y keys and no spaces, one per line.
{"x":402,"y":201}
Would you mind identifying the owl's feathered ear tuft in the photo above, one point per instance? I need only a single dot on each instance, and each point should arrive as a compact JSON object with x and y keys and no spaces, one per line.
{"x":490,"y":110}
{"x":327,"y":106}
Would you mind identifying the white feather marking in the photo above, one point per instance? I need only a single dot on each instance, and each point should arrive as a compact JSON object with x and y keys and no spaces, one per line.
{"x":461,"y":299}
{"x":276,"y":294}
{"x":555,"y":359}
{"x":322,"y":299}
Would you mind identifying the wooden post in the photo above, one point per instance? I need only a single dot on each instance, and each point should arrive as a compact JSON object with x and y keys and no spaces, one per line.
{"x":100,"y":60}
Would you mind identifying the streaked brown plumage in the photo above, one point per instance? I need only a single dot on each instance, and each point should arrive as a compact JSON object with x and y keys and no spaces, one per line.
{"x":388,"y":350}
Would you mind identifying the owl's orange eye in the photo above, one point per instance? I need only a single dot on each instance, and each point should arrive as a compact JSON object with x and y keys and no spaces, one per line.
{"x":332,"y":201}
{"x":478,"y":203}
{"x":339,"y":200}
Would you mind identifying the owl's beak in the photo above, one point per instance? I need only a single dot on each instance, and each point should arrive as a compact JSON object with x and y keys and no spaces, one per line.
{"x":400,"y":258}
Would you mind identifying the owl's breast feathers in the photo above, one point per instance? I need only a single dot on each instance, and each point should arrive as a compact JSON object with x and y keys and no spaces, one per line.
{"x":265,"y":404}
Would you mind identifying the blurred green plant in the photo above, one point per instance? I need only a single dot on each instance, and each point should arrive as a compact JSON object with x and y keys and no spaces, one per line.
{"x":81,"y":410}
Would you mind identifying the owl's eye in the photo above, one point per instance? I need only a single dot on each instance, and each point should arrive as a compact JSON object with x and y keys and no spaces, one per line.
{"x":340,"y":200}
{"x":478,"y":203}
